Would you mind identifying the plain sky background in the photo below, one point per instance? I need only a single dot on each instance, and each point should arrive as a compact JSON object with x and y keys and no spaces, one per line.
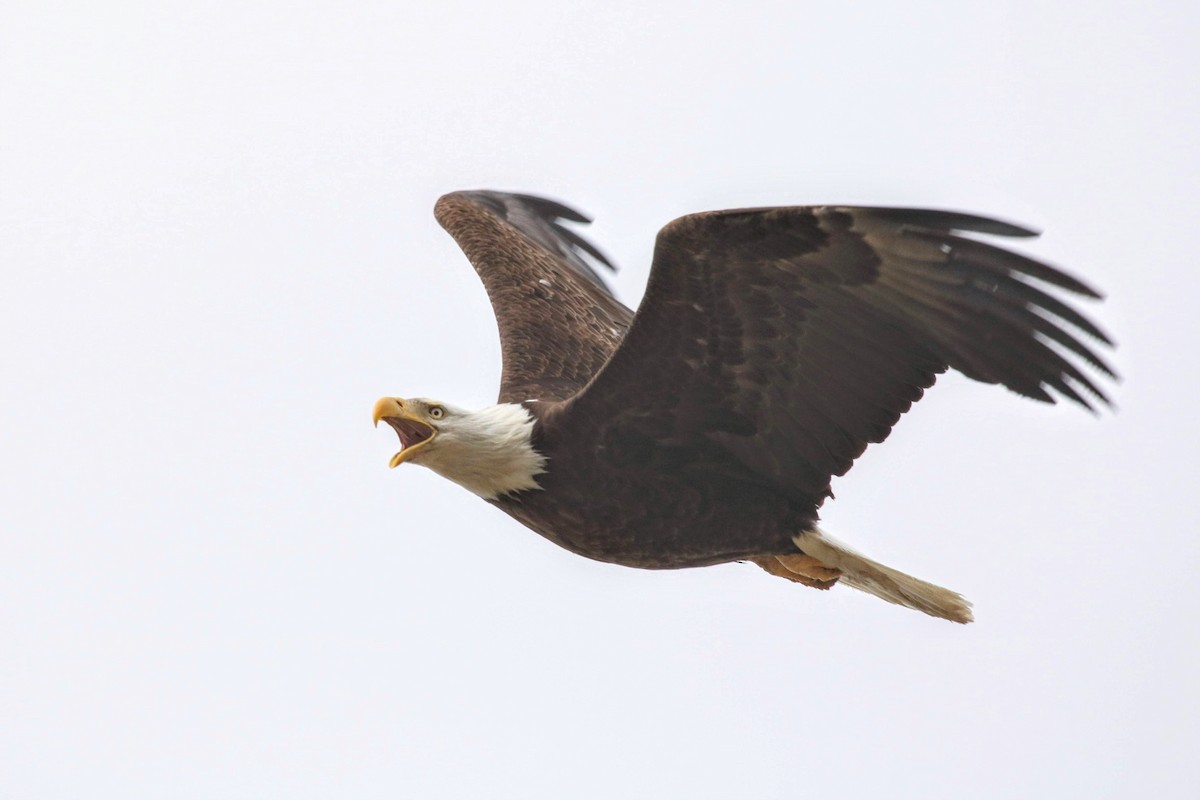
{"x":218,"y":250}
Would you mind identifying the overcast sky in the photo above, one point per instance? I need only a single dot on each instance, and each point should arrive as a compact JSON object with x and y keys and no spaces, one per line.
{"x":218,"y":250}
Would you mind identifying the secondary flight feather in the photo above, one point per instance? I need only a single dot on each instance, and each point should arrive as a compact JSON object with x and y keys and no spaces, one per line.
{"x":771,"y":347}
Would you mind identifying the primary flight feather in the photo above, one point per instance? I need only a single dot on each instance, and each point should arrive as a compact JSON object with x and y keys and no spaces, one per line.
{"x":771,"y":347}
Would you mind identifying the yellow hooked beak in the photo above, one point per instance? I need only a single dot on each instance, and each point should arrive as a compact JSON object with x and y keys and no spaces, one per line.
{"x":410,"y":425}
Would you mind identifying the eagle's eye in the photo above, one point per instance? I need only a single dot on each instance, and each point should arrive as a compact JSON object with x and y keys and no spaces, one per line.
{"x":437,"y":412}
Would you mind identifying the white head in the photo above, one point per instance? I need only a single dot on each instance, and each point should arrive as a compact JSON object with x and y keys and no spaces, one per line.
{"x":488,"y":451}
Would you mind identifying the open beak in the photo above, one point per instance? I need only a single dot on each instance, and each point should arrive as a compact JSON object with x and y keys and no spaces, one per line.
{"x":414,"y":432}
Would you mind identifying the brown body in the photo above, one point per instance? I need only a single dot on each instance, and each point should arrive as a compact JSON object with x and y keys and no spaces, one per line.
{"x":695,"y":506}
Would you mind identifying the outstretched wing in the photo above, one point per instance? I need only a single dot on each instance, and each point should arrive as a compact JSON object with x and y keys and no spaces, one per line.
{"x":558,"y":322}
{"x":794,"y":337}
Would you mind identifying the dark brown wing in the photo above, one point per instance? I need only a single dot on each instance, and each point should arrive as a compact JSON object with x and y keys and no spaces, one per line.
{"x":793,"y":337}
{"x":558,"y":322}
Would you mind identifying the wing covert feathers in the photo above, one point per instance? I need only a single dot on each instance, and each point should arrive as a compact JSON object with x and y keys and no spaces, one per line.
{"x":558,"y":322}
{"x":795,"y":337}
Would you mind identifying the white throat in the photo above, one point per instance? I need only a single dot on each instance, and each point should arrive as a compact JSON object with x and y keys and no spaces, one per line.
{"x":488,"y":451}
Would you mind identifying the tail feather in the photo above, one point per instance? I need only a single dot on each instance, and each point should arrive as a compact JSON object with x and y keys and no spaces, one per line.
{"x":884,"y":582}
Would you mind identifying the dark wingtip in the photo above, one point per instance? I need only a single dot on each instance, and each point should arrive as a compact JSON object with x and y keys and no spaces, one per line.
{"x":542,"y":220}
{"x":553,"y":208}
{"x":936,"y":219}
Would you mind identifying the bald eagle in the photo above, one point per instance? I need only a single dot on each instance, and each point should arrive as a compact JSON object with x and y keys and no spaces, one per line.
{"x":771,"y":347}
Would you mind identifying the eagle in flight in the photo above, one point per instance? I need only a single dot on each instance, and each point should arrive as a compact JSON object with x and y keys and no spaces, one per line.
{"x":771,"y":347}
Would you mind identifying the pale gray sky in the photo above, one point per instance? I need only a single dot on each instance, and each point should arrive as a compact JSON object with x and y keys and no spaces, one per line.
{"x":218,"y":250}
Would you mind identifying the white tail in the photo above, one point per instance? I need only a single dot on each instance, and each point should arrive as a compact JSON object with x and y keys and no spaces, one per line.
{"x":884,"y":582}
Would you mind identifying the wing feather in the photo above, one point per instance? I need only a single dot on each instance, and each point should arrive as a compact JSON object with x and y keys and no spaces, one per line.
{"x":558,"y":321}
{"x":794,"y":337}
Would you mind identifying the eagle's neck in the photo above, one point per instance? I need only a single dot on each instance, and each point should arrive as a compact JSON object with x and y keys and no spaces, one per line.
{"x":489,"y":451}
